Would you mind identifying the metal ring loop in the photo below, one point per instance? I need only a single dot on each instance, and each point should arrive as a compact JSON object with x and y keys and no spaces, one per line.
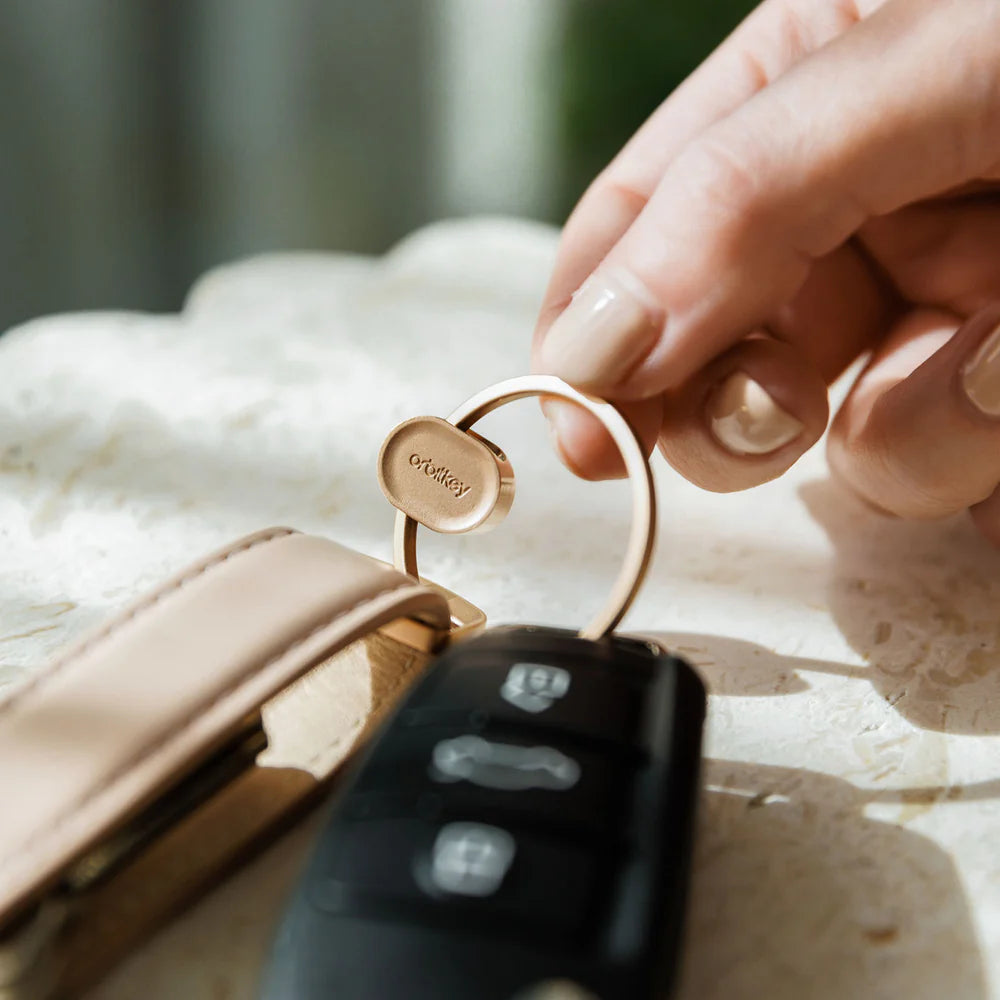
{"x":639,"y":549}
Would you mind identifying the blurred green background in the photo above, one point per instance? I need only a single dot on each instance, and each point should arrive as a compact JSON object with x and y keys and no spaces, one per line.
{"x":145,"y":141}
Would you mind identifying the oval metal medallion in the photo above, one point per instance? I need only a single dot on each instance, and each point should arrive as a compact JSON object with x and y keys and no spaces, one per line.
{"x":449,"y":480}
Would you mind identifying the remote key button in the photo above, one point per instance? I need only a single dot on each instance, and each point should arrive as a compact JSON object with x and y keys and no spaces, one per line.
{"x":471,"y":859}
{"x":535,"y":687}
{"x":586,"y":701}
{"x":500,"y":777}
{"x":504,"y":766}
{"x":467,"y":872}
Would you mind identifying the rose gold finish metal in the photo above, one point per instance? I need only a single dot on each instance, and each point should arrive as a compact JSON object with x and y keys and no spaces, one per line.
{"x":466,"y":621}
{"x":639,"y":549}
{"x":449,"y":480}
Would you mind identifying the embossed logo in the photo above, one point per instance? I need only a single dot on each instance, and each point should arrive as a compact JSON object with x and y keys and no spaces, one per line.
{"x":440,"y":474}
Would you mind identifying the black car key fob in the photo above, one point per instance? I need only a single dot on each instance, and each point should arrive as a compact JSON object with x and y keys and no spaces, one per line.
{"x":521,"y":828}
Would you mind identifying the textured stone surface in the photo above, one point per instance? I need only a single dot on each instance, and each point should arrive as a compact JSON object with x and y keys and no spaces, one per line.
{"x":850,"y":812}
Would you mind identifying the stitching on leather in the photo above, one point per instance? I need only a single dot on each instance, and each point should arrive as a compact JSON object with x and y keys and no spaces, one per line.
{"x":116,"y":624}
{"x":36,"y":842}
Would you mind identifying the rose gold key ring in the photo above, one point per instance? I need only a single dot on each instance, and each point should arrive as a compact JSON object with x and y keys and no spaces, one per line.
{"x":639,"y":549}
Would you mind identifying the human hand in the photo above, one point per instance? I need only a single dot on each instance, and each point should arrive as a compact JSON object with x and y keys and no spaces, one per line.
{"x":822,"y":187}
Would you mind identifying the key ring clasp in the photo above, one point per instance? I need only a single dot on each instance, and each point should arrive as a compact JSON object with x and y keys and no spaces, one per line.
{"x":639,"y":548}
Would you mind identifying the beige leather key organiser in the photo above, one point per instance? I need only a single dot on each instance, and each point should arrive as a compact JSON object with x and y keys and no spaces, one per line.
{"x":156,"y":754}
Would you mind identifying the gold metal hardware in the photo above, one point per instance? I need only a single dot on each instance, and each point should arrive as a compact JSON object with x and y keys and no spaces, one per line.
{"x":466,"y":621}
{"x":446,"y":479}
{"x":641,"y":539}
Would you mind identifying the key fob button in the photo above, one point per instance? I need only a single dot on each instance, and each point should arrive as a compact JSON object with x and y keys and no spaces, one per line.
{"x":503,"y":777}
{"x":535,"y":687}
{"x":585,"y":701}
{"x":465,"y":870}
{"x":504,"y":766}
{"x":470,"y":859}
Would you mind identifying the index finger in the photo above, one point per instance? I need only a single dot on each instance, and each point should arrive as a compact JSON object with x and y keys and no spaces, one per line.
{"x":884,"y":116}
{"x":771,"y":39}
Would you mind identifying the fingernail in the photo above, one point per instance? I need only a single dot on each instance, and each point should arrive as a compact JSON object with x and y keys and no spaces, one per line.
{"x":605,"y":332}
{"x":981,"y":376}
{"x":746,"y":420}
{"x":559,"y":416}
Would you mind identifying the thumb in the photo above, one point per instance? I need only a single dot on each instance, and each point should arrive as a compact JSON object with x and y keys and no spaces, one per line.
{"x":900,"y":107}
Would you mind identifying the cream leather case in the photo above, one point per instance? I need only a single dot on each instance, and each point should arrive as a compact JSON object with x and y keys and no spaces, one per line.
{"x":157,"y":753}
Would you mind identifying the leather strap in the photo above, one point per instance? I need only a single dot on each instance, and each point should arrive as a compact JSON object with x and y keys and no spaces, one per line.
{"x":116,"y":719}
{"x":312,"y":727}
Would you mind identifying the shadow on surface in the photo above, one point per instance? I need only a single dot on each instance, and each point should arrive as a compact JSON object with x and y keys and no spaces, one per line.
{"x":796,"y":893}
{"x":918,"y":601}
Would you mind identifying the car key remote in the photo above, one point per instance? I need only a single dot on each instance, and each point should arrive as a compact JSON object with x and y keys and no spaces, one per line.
{"x":521,"y":828}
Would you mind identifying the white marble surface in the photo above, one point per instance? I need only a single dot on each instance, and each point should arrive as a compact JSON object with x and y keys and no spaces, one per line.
{"x":847,"y":843}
